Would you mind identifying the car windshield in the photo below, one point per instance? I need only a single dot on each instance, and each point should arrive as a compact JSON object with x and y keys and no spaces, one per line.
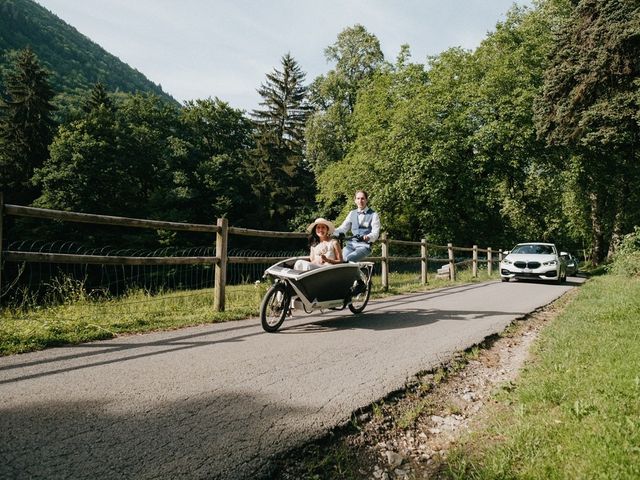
{"x":533,"y":249}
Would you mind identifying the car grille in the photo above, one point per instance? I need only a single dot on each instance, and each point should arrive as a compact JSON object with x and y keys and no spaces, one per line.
{"x":531,"y":265}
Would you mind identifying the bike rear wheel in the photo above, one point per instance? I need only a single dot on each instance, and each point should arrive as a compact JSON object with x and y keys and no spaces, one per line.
{"x":360,"y":299}
{"x":274,"y":307}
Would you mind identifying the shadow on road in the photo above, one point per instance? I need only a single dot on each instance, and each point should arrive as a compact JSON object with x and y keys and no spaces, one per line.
{"x":208,"y":437}
{"x":108,"y":348}
{"x":391,"y":320}
{"x":210,"y":432}
{"x":567,"y":283}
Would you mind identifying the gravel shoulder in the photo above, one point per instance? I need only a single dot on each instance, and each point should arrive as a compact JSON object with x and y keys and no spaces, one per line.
{"x":408,"y":434}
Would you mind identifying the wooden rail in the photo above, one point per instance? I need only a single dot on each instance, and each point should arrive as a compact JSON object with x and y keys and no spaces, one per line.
{"x":19,"y":211}
{"x":220,"y":261}
{"x":38,"y":257}
{"x":265,"y":233}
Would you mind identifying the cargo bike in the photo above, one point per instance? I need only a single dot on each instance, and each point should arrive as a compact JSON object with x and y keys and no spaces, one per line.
{"x":335,"y":287}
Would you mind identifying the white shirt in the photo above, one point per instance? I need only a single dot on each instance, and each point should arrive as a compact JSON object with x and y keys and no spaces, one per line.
{"x":375,"y":225}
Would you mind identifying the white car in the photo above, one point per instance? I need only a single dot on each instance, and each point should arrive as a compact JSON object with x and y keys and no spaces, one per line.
{"x":534,"y":261}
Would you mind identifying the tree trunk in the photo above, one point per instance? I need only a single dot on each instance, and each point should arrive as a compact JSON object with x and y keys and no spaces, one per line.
{"x":617,"y":234}
{"x":620,"y":220}
{"x":597,"y":230}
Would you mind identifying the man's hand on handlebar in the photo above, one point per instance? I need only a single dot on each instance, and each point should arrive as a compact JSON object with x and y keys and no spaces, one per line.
{"x":358,"y":238}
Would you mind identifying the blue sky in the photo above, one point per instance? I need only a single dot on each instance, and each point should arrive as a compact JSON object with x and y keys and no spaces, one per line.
{"x":224,"y":48}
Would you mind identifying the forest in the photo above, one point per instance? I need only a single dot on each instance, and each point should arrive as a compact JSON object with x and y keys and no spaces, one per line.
{"x":530,"y":137}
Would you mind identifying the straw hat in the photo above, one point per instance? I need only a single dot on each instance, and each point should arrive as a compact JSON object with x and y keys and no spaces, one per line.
{"x":322,"y":221}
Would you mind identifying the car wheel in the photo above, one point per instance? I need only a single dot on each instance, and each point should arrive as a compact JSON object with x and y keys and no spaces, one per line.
{"x":504,"y":279}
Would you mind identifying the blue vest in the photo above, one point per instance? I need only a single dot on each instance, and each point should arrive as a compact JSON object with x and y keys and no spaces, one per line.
{"x":364,"y":227}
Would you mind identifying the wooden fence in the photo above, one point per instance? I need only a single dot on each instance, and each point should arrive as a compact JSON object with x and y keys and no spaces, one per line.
{"x":220,"y":261}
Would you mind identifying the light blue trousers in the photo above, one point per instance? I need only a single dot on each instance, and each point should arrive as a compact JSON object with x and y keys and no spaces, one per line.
{"x":355,"y":254}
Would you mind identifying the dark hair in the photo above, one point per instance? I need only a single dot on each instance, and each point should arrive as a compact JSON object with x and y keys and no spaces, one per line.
{"x":366,"y":195}
{"x":314,"y":239}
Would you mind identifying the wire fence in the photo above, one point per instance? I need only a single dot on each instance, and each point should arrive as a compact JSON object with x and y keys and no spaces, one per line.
{"x":437,"y":257}
{"x":41,"y":281}
{"x":36,"y":273}
{"x":50,"y":282}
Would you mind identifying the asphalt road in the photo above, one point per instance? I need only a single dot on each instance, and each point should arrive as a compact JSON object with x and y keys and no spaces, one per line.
{"x":217,"y":401}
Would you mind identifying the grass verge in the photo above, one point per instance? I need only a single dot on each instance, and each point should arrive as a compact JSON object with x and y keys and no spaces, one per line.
{"x":575,"y":410}
{"x":78,"y":317}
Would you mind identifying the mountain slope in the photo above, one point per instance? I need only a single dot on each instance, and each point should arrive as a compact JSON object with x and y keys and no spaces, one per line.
{"x":76,"y":63}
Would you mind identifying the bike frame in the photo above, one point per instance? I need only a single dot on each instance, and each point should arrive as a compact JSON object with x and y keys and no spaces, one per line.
{"x":324,"y":287}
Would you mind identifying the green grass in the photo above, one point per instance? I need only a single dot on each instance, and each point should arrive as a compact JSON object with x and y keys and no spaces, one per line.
{"x":77,"y":317}
{"x":84,"y":319}
{"x":575,"y":410}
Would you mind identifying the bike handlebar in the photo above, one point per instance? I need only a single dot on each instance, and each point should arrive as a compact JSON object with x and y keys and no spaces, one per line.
{"x":341,"y":236}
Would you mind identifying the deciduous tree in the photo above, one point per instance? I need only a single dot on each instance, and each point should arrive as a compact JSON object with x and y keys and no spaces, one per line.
{"x":357,"y":56}
{"x":210,"y":165}
{"x":589,"y":107}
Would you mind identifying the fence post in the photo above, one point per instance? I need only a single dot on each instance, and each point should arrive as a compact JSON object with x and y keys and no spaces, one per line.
{"x":500,"y":255}
{"x":452,"y":262}
{"x":489,"y":261}
{"x":221,"y":266}
{"x":423,"y":254}
{"x":474,"y":263}
{"x":385,"y":262}
{"x":1,"y":224}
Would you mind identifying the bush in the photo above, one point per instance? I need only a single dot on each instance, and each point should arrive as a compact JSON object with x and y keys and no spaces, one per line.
{"x":626,"y":260}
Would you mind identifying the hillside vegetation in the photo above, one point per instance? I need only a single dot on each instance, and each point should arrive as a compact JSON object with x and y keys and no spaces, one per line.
{"x":75,"y":62}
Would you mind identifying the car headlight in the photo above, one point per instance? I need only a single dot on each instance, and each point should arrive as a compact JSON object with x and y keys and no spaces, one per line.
{"x":507,"y":262}
{"x":550,"y":263}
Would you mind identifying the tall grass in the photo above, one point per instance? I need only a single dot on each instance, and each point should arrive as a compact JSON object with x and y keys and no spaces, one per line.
{"x":73,"y":316}
{"x":627,"y":258}
{"x":575,"y":412}
{"x":82,"y":318}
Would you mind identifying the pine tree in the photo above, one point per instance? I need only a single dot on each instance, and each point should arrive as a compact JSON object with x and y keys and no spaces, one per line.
{"x":99,"y":97}
{"x":285,"y":110}
{"x":26,"y":126}
{"x":280,"y":144}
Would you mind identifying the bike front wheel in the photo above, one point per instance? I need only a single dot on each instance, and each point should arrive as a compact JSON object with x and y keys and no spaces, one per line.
{"x":274,"y":307}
